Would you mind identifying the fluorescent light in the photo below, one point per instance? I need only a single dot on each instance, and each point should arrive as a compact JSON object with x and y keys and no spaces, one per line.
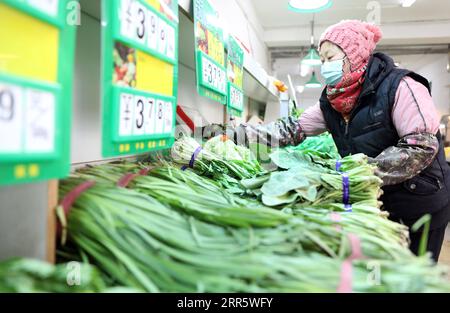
{"x":407,"y":3}
{"x":309,"y":6}
{"x":300,"y":89}
{"x":312,"y":58}
{"x":304,"y":70}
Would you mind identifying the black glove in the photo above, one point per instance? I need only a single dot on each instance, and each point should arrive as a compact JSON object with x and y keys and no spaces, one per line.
{"x":281,"y":133}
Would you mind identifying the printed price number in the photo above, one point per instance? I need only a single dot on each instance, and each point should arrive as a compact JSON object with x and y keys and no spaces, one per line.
{"x":144,"y":26}
{"x":213,"y":76}
{"x":27,"y":116}
{"x":141,"y":116}
{"x":236,"y":98}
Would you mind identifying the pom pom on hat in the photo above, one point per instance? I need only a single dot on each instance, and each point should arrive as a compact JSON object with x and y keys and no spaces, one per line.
{"x":356,"y":38}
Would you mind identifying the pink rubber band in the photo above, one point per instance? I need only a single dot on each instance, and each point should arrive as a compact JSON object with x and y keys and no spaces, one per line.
{"x":336,"y":218}
{"x":126,"y":179}
{"x":70,"y":198}
{"x":345,"y":284}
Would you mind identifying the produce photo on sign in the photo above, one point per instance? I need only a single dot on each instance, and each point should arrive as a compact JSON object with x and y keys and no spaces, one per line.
{"x":124,"y":59}
{"x":234,"y":73}
{"x":202,"y":38}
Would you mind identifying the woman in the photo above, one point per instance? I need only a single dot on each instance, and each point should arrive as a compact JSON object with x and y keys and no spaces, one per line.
{"x":370,"y":106}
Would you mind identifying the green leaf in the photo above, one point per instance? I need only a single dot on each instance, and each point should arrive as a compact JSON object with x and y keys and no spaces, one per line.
{"x":276,"y":201}
{"x":309,"y":193}
{"x":286,"y":160}
{"x":281,"y":183}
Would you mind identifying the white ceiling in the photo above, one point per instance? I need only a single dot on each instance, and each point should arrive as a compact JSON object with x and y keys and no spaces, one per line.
{"x":275,"y":14}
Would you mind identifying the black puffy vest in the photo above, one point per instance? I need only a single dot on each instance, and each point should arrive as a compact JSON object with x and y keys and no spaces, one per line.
{"x":371,"y":130}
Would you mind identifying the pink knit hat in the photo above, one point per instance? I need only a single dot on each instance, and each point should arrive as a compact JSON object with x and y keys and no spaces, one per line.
{"x":356,"y":38}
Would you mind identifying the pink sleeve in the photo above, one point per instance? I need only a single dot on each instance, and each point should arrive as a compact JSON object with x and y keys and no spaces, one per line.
{"x":414,"y":110}
{"x":312,"y":121}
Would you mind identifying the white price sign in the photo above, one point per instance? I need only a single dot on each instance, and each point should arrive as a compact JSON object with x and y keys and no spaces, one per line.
{"x":28,"y":117}
{"x":144,"y":26}
{"x":141,"y":116}
{"x":236,"y":98}
{"x":213,"y":76}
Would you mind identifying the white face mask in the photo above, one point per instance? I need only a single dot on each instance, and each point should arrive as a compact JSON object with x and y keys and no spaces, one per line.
{"x":333,"y":71}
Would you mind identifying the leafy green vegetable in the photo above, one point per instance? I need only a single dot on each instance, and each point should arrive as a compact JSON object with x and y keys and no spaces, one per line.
{"x":322,"y":146}
{"x":220,"y":159}
{"x":280,"y":183}
{"x":179,"y":232}
{"x":29,"y":276}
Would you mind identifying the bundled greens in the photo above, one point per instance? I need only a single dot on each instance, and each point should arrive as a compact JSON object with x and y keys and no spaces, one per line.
{"x":192,"y":194}
{"x":220,"y":159}
{"x":211,"y":204}
{"x":28,"y":275}
{"x":145,"y":244}
{"x":221,"y":223}
{"x":301,"y":179}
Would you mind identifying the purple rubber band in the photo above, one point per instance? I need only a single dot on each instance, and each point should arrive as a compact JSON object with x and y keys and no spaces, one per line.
{"x":345,"y":189}
{"x":338,"y":165}
{"x":348,"y":208}
{"x":194,"y":156}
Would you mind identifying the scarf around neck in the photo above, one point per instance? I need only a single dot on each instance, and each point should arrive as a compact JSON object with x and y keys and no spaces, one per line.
{"x":345,"y":94}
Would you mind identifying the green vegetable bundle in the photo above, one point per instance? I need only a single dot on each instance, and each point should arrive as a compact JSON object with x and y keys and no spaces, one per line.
{"x":302,"y":179}
{"x":144,"y":244}
{"x":202,"y":198}
{"x":189,"y":193}
{"x":220,"y":159}
{"x":30,"y":276}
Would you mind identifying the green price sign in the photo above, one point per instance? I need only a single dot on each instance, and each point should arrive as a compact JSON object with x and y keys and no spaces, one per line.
{"x":36,"y":70}
{"x":140,"y":75}
{"x":235,"y":75}
{"x":210,"y":53}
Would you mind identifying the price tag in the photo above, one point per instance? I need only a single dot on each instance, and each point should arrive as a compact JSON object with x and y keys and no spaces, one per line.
{"x":213,"y":76}
{"x":28,"y":117}
{"x":36,"y":78}
{"x":162,"y":37}
{"x":49,"y":7}
{"x":168,"y":117}
{"x":236,"y":98}
{"x":11,"y":121}
{"x":139,"y":43}
{"x":126,"y":115}
{"x":139,"y":116}
{"x":40,"y":122}
{"x":235,"y":67}
{"x":160,"y":106}
{"x":144,"y":26}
